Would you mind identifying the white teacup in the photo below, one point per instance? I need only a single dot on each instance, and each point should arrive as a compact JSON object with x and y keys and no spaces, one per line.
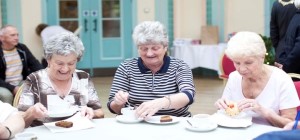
{"x":201,"y":116}
{"x":26,"y":136}
{"x":59,"y":107}
{"x":202,"y":120}
{"x":129,"y":113}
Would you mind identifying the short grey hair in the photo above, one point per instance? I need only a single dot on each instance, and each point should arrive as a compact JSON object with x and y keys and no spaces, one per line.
{"x":3,"y":29}
{"x":297,"y":4}
{"x":245,"y":44}
{"x":64,"y":44}
{"x":150,"y":32}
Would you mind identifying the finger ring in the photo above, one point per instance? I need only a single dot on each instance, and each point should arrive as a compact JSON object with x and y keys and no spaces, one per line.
{"x":251,"y":104}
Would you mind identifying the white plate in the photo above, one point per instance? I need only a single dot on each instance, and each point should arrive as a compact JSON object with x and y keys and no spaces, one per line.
{"x":123,"y":119}
{"x":70,"y":112}
{"x":241,"y":120}
{"x":156,"y":120}
{"x":200,"y":126}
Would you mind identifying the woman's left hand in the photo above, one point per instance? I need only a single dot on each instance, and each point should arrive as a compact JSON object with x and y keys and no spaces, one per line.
{"x":87,"y":112}
{"x":248,"y":104}
{"x":149,"y":108}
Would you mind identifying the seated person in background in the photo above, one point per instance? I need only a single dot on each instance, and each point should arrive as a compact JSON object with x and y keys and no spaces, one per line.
{"x":46,"y":32}
{"x":16,"y":63}
{"x":265,"y":92}
{"x":155,"y":83}
{"x":59,"y":79}
{"x":11,"y":122}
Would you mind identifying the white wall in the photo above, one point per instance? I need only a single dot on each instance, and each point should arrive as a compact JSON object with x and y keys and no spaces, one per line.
{"x":244,"y":15}
{"x":189,"y":16}
{"x":145,"y":10}
{"x":31,"y":17}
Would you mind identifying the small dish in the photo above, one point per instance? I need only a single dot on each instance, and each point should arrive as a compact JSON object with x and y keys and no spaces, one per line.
{"x":193,"y":124}
{"x":156,"y":120}
{"x":26,"y":136}
{"x":123,"y":119}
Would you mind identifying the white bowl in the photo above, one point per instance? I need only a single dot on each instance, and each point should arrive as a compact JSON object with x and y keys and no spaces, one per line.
{"x":26,"y":136}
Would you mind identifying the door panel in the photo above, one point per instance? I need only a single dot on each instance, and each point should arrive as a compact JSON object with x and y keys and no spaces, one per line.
{"x":106,"y":27}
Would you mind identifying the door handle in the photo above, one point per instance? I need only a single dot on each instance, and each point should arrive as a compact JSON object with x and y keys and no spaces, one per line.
{"x":85,"y":25}
{"x":95,"y":25}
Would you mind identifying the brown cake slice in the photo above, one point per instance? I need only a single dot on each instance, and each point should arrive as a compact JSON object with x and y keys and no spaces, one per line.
{"x":166,"y":118}
{"x":65,"y":124}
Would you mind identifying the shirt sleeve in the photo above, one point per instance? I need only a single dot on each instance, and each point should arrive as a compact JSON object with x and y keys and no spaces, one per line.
{"x":6,"y":110}
{"x":288,"y":95}
{"x":184,"y":78}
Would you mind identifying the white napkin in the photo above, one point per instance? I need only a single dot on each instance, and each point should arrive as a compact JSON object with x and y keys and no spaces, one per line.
{"x":79,"y":123}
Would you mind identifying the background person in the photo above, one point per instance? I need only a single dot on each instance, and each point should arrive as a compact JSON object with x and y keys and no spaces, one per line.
{"x":60,"y":78}
{"x":17,"y":62}
{"x":155,"y":83}
{"x":281,"y":15}
{"x":46,"y":31}
{"x":11,"y":122}
{"x":265,"y":92}
{"x":289,"y":59}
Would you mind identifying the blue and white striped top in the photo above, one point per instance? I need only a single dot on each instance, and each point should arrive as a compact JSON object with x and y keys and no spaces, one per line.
{"x":175,"y":76}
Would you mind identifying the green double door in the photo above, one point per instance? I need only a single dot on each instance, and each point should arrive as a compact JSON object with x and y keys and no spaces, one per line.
{"x":105,"y":27}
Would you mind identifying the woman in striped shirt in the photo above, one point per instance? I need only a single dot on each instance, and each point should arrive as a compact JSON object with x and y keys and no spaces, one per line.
{"x":155,"y":83}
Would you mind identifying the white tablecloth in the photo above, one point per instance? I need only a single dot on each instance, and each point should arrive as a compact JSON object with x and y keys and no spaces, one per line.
{"x":205,"y":56}
{"x":110,"y":128}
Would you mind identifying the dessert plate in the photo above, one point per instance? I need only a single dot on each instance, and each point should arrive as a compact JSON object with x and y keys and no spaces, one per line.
{"x":156,"y":120}
{"x":67,"y":113}
{"x":193,"y":124}
{"x":241,"y":120}
{"x":123,"y":119}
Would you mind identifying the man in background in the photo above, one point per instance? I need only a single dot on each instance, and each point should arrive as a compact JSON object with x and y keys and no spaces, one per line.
{"x":282,"y":13}
{"x":16,"y":63}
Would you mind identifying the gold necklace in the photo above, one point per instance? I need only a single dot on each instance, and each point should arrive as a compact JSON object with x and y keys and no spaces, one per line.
{"x":284,"y":3}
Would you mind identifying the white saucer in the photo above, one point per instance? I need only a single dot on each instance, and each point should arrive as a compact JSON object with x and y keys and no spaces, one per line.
{"x":156,"y":120}
{"x":202,"y":126}
{"x":123,"y":119}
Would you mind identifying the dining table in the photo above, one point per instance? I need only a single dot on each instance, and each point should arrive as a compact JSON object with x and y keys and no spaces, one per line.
{"x":112,"y":129}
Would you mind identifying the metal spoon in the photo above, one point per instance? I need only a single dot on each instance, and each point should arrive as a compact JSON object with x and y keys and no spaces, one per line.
{"x":132,"y":108}
{"x":190,"y":124}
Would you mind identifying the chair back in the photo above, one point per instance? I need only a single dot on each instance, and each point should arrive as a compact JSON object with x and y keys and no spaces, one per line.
{"x":227,"y":67}
{"x":17,"y":96}
{"x":297,"y":84}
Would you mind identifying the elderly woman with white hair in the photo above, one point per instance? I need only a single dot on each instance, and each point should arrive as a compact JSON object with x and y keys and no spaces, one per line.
{"x":59,"y":85}
{"x":155,"y":83}
{"x":265,"y":92}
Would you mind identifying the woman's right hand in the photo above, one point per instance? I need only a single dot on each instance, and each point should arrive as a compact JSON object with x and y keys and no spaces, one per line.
{"x":38,"y":111}
{"x":121,"y":97}
{"x":221,"y":103}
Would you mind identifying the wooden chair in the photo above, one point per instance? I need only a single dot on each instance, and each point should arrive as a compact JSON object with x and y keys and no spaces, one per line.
{"x":297,"y":84}
{"x":226,"y":66}
{"x":17,"y":96}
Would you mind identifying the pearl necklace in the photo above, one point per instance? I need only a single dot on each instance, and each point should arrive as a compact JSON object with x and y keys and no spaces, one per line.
{"x":284,"y":3}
